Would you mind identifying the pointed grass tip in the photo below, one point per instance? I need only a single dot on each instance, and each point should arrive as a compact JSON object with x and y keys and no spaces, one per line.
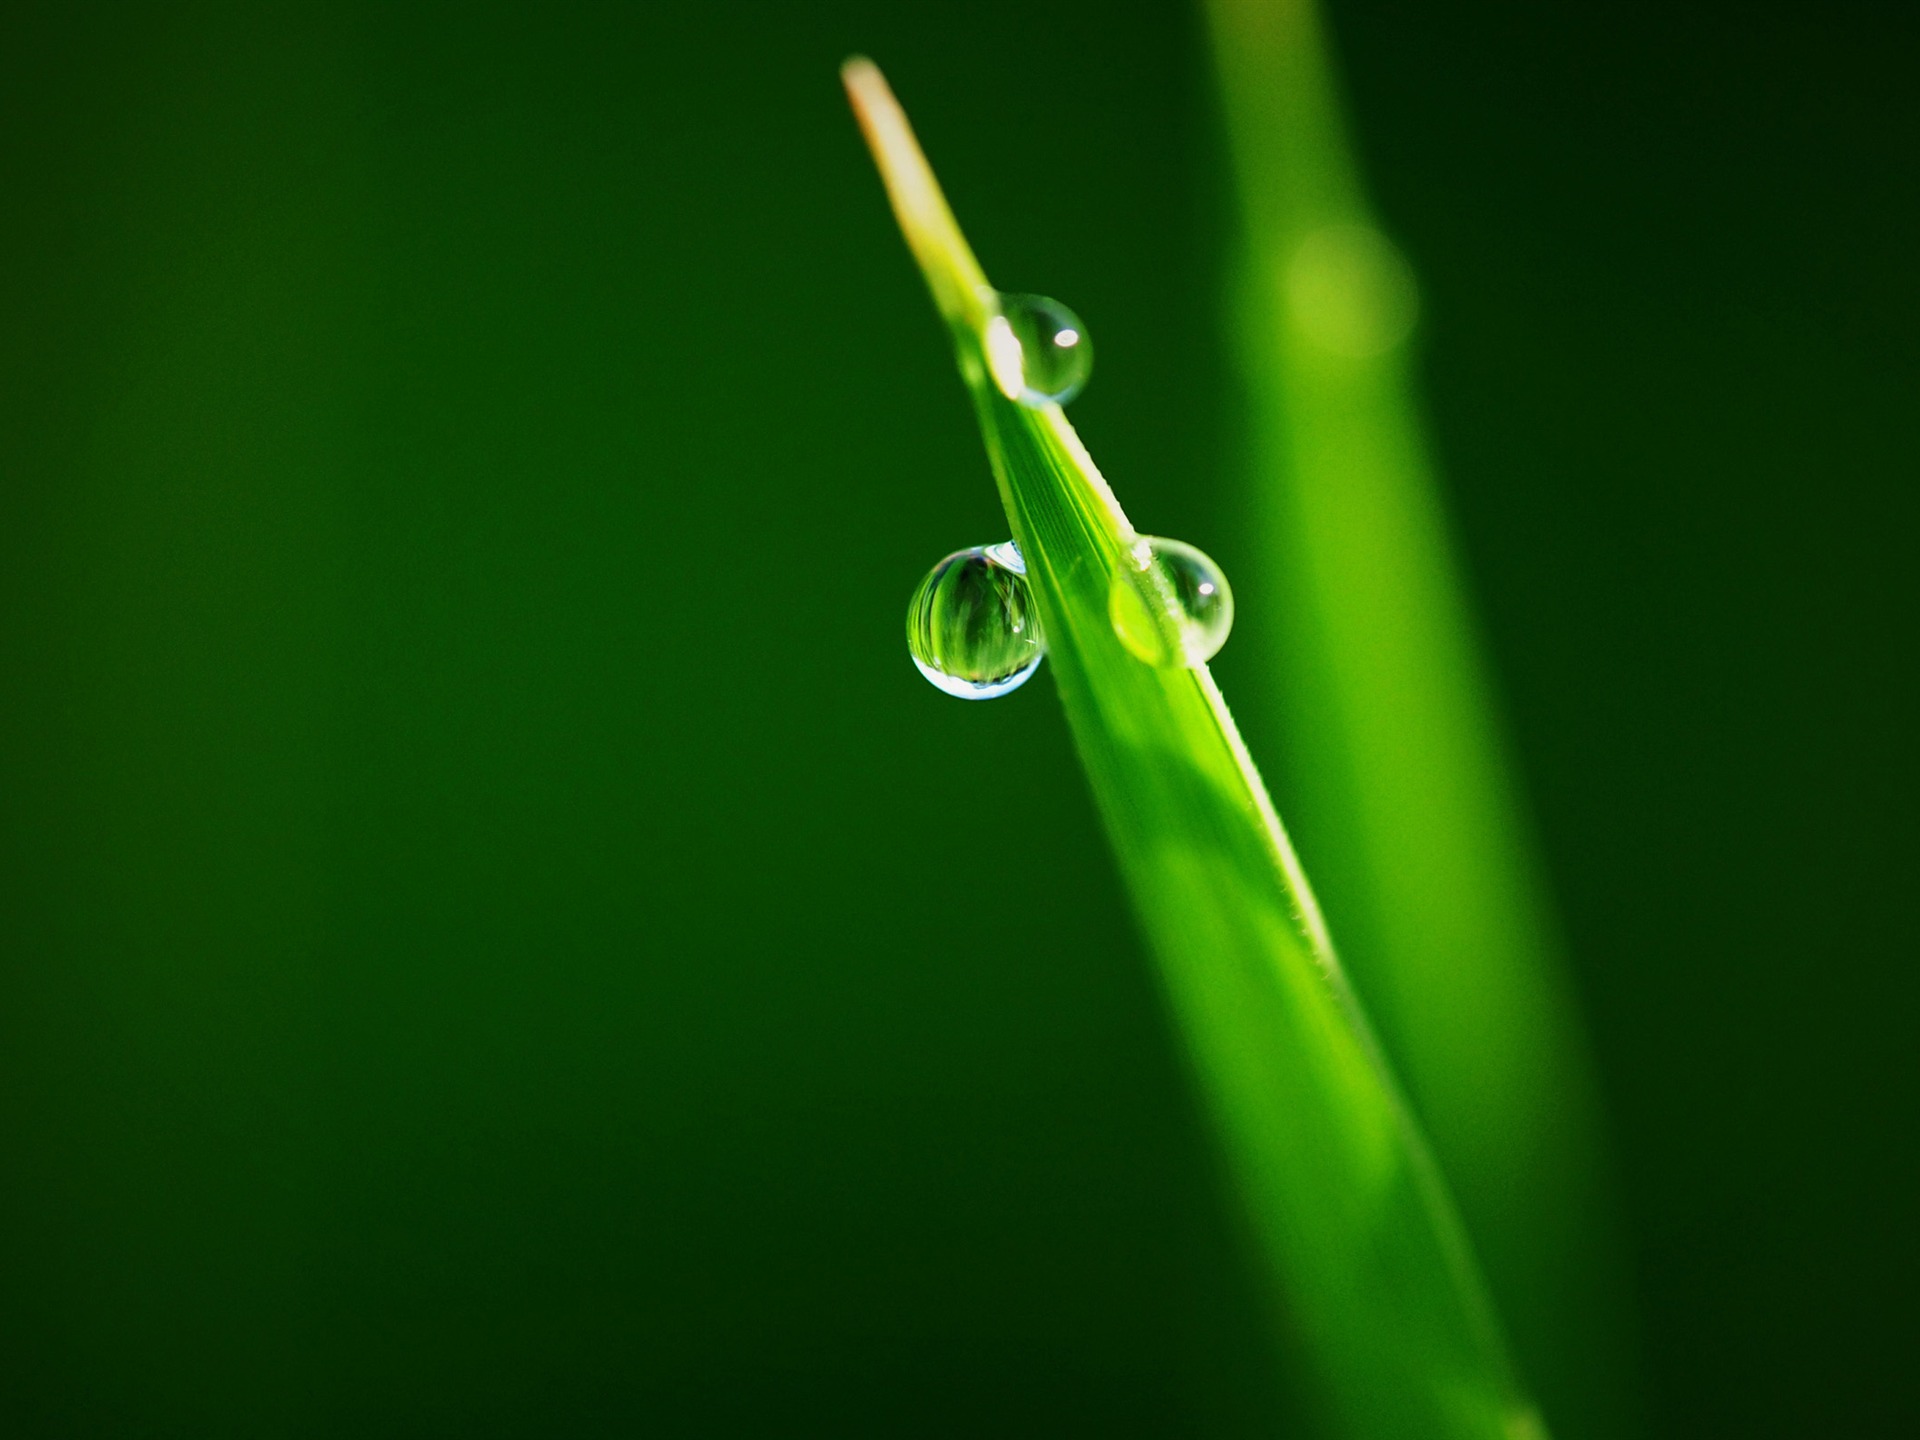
{"x":959,"y":286}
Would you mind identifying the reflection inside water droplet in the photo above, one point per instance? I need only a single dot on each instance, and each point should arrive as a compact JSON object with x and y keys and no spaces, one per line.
{"x":1172,"y":607}
{"x":972,"y":627}
{"x":1038,"y":350}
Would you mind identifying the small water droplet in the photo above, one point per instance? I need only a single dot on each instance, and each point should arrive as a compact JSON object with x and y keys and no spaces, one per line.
{"x":1038,"y":350}
{"x":1172,"y":607}
{"x":972,"y":627}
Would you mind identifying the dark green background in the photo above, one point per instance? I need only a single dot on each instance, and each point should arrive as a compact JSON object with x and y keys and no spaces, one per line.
{"x":497,"y":939}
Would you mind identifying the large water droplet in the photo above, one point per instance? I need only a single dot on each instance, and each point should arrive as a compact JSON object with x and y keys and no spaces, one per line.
{"x":972,"y":627}
{"x":1172,"y":606}
{"x":1038,"y":350}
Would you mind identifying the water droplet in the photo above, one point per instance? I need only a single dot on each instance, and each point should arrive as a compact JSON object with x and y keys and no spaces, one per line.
{"x":972,"y":627}
{"x":1173,"y":607}
{"x":1038,"y":350}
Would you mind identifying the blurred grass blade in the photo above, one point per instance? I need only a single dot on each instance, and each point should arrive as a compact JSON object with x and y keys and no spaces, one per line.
{"x":1392,"y":761}
{"x":1365,"y":1258}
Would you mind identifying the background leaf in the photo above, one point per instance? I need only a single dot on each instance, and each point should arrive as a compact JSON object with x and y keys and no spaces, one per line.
{"x":1389,"y":739}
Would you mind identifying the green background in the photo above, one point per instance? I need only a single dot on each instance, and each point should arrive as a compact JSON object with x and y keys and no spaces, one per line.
{"x":495,"y":937}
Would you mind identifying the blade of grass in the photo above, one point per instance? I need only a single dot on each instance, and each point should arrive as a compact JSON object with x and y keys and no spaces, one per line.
{"x":1392,"y":754}
{"x":1359,"y":1242}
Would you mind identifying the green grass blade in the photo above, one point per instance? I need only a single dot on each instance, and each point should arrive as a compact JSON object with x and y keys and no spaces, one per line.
{"x":1361,"y":1247}
{"x":1392,"y":754}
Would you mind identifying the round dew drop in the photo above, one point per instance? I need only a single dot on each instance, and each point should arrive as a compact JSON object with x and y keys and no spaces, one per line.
{"x":1172,"y":607}
{"x":972,"y":627}
{"x":1038,"y":350}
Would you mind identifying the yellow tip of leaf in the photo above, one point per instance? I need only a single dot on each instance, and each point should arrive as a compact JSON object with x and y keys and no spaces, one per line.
{"x":959,"y":286}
